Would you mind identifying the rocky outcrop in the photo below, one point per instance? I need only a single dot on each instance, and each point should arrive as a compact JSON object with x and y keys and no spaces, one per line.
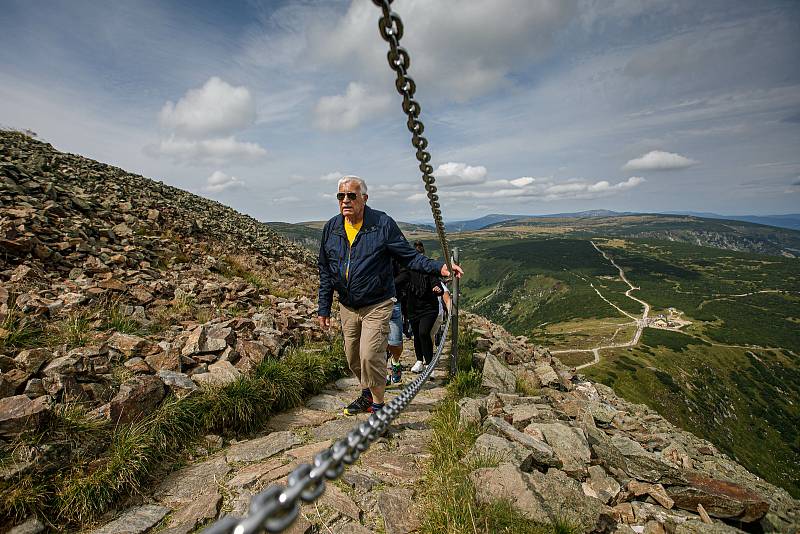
{"x":576,"y":450}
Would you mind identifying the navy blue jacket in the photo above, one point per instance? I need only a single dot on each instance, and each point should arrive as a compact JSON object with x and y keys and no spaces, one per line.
{"x":371,"y":279}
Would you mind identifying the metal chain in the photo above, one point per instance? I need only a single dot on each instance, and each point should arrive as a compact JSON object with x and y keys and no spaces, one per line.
{"x":275,"y":508}
{"x":391,"y":29}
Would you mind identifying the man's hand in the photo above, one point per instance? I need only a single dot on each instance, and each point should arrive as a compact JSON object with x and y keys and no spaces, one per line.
{"x":324,"y":322}
{"x":458,"y":270}
{"x":437,"y":290}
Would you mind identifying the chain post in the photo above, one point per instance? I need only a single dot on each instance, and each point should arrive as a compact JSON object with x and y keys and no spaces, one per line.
{"x":454,"y":321}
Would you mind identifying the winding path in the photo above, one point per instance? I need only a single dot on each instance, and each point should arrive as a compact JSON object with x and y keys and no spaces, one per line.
{"x":641,"y":322}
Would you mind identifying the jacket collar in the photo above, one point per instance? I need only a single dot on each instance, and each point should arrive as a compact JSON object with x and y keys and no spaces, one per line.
{"x":370,"y":221}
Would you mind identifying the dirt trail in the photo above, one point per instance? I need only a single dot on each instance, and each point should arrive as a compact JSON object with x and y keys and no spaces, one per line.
{"x":641,"y":322}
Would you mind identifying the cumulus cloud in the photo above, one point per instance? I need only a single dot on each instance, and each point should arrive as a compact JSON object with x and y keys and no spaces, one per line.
{"x":219,"y":181}
{"x":204,"y":151}
{"x":216,"y":108}
{"x":345,"y":112}
{"x":541,"y":189}
{"x":456,"y":174}
{"x":658,"y":160}
{"x":459,"y":50}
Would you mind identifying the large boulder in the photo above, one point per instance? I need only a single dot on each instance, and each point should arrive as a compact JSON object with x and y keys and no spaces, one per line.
{"x":621,"y":452}
{"x":491,"y":447}
{"x":497,"y":376}
{"x":543,"y":498}
{"x":136,"y":397}
{"x":720,"y":498}
{"x":542,"y":453}
{"x":569,"y":444}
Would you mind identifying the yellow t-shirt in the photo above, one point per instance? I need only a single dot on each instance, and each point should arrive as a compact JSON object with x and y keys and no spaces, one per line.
{"x":351,"y":230}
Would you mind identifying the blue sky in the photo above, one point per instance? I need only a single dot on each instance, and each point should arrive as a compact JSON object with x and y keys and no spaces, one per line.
{"x":530,"y":106}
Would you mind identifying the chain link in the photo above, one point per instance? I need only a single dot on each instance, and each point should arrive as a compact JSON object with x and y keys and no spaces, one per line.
{"x":275,"y":508}
{"x":391,"y":29}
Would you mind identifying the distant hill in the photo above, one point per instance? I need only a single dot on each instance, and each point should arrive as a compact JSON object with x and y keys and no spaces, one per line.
{"x":789,"y":220}
{"x":740,"y":236}
{"x":307,"y":234}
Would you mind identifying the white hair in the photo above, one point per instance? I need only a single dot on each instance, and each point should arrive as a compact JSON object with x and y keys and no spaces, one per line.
{"x":362,"y":185}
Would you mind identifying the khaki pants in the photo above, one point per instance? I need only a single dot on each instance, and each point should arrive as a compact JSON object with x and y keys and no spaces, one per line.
{"x":366,"y":331}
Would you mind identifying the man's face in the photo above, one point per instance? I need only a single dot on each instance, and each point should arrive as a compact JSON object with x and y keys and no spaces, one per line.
{"x":352,"y":208}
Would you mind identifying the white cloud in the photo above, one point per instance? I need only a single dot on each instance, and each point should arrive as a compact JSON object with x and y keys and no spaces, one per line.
{"x":459,"y":50}
{"x":219,"y":181}
{"x":345,"y":112}
{"x":658,"y":160}
{"x":456,"y":174}
{"x":540,"y":189}
{"x":215,"y":108}
{"x":206,"y":151}
{"x":331,"y":176}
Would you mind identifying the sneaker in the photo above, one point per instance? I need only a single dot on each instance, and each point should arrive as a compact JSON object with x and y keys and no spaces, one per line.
{"x":418,"y":367}
{"x":397,"y":373}
{"x":360,"y":405}
{"x":375,"y":407}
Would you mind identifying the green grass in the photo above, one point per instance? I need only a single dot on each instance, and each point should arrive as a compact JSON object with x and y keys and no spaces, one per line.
{"x":108,"y":462}
{"x":465,"y":383}
{"x":20,"y":332}
{"x":448,"y":492}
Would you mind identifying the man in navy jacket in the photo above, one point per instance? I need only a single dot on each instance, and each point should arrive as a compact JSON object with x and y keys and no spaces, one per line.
{"x":355,"y":260}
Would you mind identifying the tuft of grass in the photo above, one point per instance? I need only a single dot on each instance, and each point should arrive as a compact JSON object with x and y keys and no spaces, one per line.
{"x":20,"y":332}
{"x":125,"y":324}
{"x":74,"y":330}
{"x":242,"y":405}
{"x":465,"y":384}
{"x":467,"y":345}
{"x":450,"y":494}
{"x":525,"y":388}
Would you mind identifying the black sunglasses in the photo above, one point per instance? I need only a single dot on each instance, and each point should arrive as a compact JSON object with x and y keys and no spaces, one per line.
{"x":350,"y":195}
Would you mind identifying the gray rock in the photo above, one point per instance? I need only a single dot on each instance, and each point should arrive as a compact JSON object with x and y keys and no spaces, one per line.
{"x":544,"y":498}
{"x":599,"y":485}
{"x":495,"y":448}
{"x":259,"y":449}
{"x":185,"y":485}
{"x":569,"y":444}
{"x":136,"y":397}
{"x":127,"y":344}
{"x":219,"y":374}
{"x":497,"y":376}
{"x":31,"y":526}
{"x":543,"y":454}
{"x":395,"y":505}
{"x":18,"y":413}
{"x":471,"y":411}
{"x":547,"y":376}
{"x":32,"y":359}
{"x":623,"y":453}
{"x":178,"y":383}
{"x":65,"y":365}
{"x":135,"y":521}
{"x":325,"y":403}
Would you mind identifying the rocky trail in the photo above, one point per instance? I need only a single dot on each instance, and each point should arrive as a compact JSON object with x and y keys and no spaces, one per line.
{"x":377,"y":494}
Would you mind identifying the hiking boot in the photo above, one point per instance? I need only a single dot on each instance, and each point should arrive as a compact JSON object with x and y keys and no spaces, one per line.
{"x":418,"y":367}
{"x":375,"y":407}
{"x":397,"y":373}
{"x":360,"y":405}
